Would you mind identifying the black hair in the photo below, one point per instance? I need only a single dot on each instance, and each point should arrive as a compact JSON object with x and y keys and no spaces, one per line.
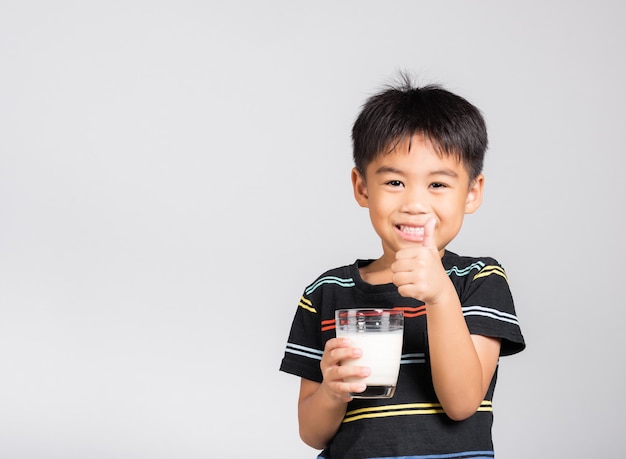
{"x":452,"y":124}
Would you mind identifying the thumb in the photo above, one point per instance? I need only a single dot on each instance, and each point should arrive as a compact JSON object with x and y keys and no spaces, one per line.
{"x":429,"y":234}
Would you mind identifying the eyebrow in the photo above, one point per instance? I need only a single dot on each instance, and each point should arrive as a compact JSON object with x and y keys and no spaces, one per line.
{"x":446,"y":172}
{"x":393,"y":170}
{"x":387,"y":169}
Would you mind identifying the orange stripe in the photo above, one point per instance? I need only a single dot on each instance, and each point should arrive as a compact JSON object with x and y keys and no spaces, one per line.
{"x":416,"y":314}
{"x":409,"y":312}
{"x":412,"y":312}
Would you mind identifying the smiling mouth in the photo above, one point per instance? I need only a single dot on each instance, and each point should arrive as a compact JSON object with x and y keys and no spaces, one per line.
{"x":412,"y":230}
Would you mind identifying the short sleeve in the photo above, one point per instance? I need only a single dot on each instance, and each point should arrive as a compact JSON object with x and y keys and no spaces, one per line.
{"x":489,"y":309}
{"x":304,"y":349}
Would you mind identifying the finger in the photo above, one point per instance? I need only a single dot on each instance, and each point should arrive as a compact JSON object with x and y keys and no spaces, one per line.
{"x":406,"y":253}
{"x":337,"y":351}
{"x":335,"y":343}
{"x":402,"y":278}
{"x":356,"y":388}
{"x":352,"y":371}
{"x":344,"y":375}
{"x":429,"y":234}
{"x":345,"y":390}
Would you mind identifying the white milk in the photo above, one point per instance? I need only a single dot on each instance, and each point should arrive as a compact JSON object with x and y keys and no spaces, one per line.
{"x":381,"y":353}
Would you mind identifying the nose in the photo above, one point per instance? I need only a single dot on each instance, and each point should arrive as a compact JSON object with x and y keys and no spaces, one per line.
{"x":415,"y":201}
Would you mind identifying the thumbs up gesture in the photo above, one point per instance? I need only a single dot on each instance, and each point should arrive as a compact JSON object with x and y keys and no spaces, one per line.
{"x":417,"y":271}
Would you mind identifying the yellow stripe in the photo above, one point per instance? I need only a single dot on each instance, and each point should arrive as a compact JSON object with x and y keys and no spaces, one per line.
{"x":393,"y":413}
{"x":403,"y":410}
{"x":394,"y":407}
{"x":306,"y":304}
{"x":488,"y":270}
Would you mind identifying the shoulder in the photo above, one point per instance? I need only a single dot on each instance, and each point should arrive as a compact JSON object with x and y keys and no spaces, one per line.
{"x":464,"y":266}
{"x":486,"y":299}
{"x":477,"y":276}
{"x":343,"y":276}
{"x":453,"y":259}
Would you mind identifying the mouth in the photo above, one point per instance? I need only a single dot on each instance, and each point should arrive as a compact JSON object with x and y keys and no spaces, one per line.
{"x":411,"y":230}
{"x":411,"y":233}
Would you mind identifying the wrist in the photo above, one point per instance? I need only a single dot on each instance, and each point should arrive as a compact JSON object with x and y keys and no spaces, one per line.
{"x":447,"y":295}
{"x":332,"y":399}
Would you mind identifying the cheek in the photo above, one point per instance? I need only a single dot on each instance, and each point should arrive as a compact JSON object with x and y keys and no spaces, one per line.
{"x":379,"y":210}
{"x":378,"y":203}
{"x":452,"y":219}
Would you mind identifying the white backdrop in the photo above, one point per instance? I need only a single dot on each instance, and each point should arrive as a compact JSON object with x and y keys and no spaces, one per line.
{"x":174,"y":173}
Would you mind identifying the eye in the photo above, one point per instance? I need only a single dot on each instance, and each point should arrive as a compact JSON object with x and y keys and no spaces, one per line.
{"x":438,"y":185}
{"x":394,"y":183}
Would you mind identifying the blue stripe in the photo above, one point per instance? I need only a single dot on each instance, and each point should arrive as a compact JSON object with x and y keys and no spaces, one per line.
{"x":412,"y":358}
{"x":465,"y":271}
{"x":304,"y":351}
{"x":464,"y":455}
{"x":311,"y":356}
{"x":491,"y":313}
{"x":348,"y":282}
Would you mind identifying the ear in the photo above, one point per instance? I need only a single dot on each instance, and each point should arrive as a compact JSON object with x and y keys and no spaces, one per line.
{"x":360,"y":188}
{"x":475,"y":194}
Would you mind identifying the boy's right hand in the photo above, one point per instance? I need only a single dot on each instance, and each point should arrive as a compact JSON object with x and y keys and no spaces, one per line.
{"x":334,"y":373}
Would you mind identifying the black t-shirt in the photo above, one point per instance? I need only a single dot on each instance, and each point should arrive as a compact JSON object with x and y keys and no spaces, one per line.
{"x":412,"y":423}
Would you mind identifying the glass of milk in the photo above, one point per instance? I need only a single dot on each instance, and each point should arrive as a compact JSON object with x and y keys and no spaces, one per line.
{"x":378,"y":333}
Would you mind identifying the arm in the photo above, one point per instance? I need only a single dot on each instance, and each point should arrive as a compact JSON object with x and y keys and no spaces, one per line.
{"x":322,"y":406}
{"x":462,"y":365}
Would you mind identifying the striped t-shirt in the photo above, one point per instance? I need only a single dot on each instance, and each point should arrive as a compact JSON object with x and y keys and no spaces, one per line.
{"x":411,"y":424}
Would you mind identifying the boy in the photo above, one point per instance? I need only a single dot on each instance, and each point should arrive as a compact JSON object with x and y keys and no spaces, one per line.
{"x":418,"y":155}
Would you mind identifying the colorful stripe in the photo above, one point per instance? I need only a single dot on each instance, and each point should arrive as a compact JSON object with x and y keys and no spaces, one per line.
{"x":460,"y":455}
{"x":490,"y":313}
{"x":328,"y":325}
{"x":406,"y":409}
{"x":307,"y":304}
{"x":409,"y":313}
{"x":489,"y":270}
{"x":304,"y":351}
{"x":345,"y":282}
{"x":465,"y":271}
{"x":405,"y":359}
{"x":418,"y":357}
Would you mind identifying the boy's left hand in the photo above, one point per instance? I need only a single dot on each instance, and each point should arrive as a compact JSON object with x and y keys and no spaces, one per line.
{"x":418,"y":272}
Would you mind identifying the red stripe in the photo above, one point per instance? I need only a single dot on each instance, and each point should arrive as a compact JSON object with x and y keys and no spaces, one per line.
{"x":411,"y":312}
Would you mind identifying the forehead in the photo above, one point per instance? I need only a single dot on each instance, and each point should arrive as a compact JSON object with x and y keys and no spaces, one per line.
{"x":417,"y":155}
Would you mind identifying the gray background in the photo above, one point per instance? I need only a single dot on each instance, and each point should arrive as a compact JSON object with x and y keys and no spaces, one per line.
{"x":174,"y":173}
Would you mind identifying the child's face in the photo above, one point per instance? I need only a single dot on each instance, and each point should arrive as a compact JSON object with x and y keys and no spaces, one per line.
{"x":403,"y":189}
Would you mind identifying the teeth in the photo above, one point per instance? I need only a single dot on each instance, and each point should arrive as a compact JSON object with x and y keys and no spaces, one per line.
{"x":417,"y":230}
